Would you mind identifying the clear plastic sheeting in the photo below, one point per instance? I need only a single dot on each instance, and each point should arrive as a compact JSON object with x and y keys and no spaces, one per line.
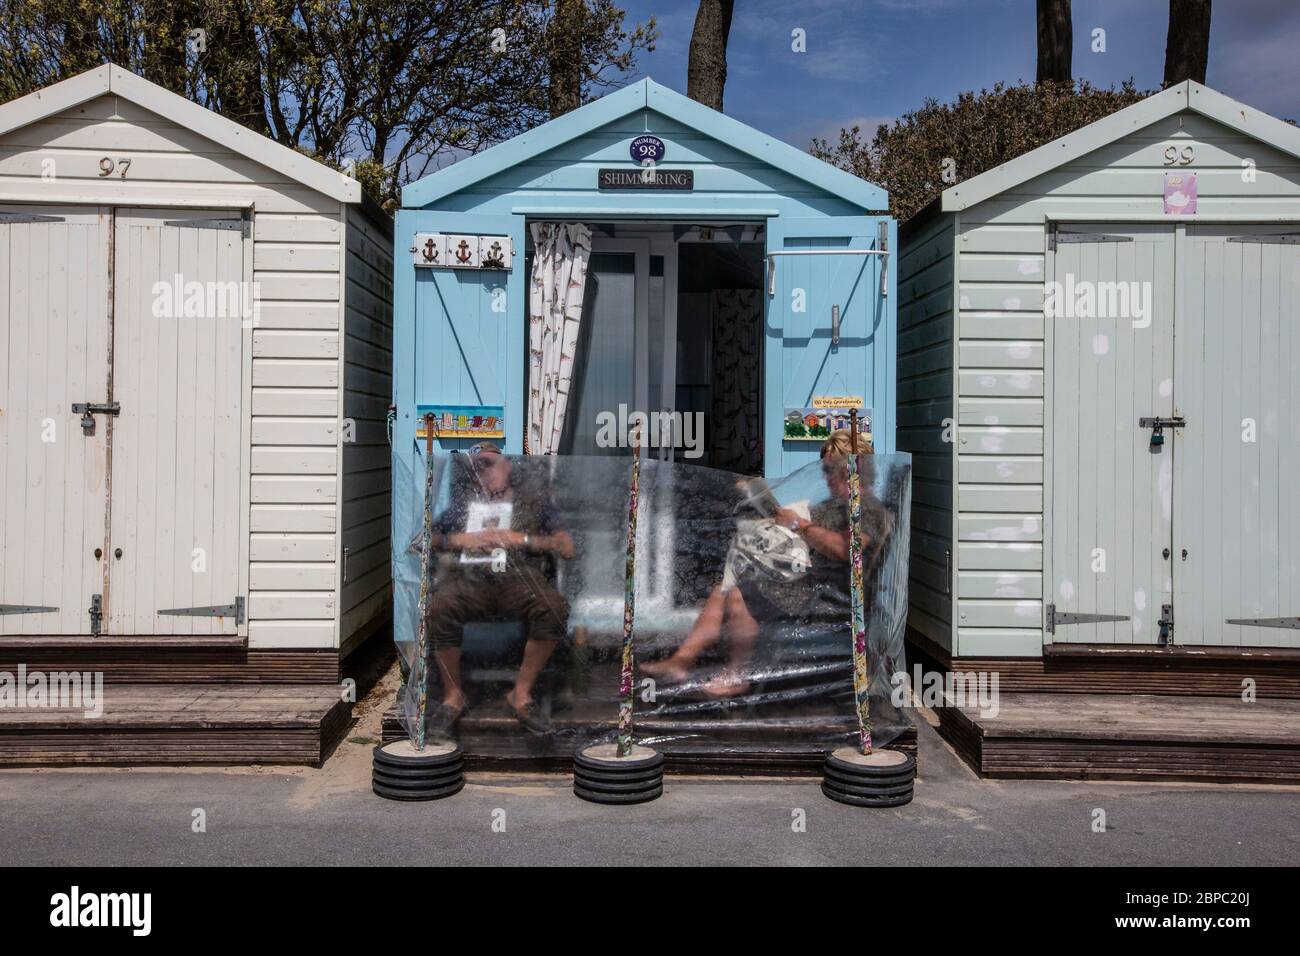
{"x":743,"y":633}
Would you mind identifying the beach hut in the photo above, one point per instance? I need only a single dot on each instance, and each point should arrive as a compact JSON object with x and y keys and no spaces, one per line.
{"x":195,"y":344}
{"x":1097,"y":377}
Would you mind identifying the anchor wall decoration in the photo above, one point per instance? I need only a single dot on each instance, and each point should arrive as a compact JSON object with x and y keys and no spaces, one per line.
{"x":440,"y":250}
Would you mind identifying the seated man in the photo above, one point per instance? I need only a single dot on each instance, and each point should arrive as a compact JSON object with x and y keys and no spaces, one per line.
{"x":496,"y":546}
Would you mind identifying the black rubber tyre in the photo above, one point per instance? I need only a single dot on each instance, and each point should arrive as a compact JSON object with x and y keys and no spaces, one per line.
{"x":429,"y":773}
{"x":897,"y":790}
{"x":637,"y":786}
{"x":607,"y":776}
{"x":629,"y":765}
{"x":840,"y":796}
{"x":411,"y":793}
{"x":849,"y":781}
{"x":416,"y":783}
{"x":907,"y":767}
{"x":597,"y":796}
{"x":422,"y":762}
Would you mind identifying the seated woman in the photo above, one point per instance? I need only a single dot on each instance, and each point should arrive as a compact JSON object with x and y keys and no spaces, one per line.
{"x":497,"y":546}
{"x":821,"y":593}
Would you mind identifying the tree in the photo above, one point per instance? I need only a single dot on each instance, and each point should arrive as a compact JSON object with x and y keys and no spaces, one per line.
{"x":1187,"y":45}
{"x":706,"y":71}
{"x":929,"y":149}
{"x":389,"y":88}
{"x":1055,"y":41}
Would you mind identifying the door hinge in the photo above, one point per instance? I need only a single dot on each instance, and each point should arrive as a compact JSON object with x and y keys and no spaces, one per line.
{"x":231,"y":225}
{"x":88,"y":411}
{"x":96,"y":614}
{"x":1055,"y":234}
{"x":235,"y":610}
{"x":6,"y":218}
{"x":1277,"y":238}
{"x":1057,"y":618}
{"x":1286,"y":622}
{"x":25,"y":609}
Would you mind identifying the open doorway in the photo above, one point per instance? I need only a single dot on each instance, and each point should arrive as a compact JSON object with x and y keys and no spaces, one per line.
{"x":672,"y":318}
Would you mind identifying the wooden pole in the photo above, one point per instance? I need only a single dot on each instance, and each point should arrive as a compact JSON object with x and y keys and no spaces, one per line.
{"x":419,"y":673}
{"x":629,"y":606}
{"x":861,"y":668}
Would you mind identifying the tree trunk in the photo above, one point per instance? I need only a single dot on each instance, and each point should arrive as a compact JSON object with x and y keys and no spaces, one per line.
{"x":706,"y":73}
{"x":566,"y":56}
{"x":1055,"y":41}
{"x":1187,"y":46}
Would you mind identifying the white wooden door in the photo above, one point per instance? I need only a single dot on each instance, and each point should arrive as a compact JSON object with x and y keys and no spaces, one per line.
{"x":53,"y":354}
{"x":1237,"y":481}
{"x":179,"y":307}
{"x":1111,"y":506}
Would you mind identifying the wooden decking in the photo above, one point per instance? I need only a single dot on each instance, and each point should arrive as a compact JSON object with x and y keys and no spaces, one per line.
{"x":1129,"y":736}
{"x":180,"y":724}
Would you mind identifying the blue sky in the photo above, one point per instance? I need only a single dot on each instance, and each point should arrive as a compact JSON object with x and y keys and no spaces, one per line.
{"x":868,"y":61}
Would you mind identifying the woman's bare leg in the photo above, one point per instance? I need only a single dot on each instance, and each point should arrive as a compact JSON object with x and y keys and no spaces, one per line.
{"x":705,"y":632}
{"x":743,"y":631}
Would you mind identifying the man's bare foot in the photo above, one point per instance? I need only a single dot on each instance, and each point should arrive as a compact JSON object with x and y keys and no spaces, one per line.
{"x":727,"y":684}
{"x":670,"y":670}
{"x":453,"y":701}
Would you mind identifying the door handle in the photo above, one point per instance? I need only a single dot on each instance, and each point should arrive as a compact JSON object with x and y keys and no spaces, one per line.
{"x":88,"y":411}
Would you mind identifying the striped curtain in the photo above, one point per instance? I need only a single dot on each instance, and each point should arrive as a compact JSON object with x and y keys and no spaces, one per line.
{"x":561,"y":251}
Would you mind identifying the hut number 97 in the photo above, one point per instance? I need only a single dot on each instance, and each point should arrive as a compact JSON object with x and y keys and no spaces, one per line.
{"x":108,"y":165}
{"x":1179,"y":157}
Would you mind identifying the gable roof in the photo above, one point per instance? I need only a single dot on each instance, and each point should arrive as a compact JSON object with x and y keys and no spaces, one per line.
{"x":1188,"y":95}
{"x":110,"y":78}
{"x":645,"y":94}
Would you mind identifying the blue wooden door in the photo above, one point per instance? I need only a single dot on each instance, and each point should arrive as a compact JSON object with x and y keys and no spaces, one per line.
{"x":802,"y":358}
{"x":466,"y":345}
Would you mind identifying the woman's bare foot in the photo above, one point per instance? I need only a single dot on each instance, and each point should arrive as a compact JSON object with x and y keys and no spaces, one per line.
{"x":670,"y":670}
{"x":729,"y":683}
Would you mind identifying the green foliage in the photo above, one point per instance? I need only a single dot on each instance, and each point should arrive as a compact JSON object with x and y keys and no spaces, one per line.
{"x":391,"y":88}
{"x":976,"y":132}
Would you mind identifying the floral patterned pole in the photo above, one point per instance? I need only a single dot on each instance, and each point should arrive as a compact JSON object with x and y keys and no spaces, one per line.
{"x":418,"y":673}
{"x":629,"y":602}
{"x":861,"y":690}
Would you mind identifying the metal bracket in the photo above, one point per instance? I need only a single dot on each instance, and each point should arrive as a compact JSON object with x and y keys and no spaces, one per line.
{"x":96,"y":614}
{"x":1055,"y":235}
{"x":87,"y":411}
{"x":1166,"y":624}
{"x":1292,"y":623}
{"x":230,"y":225}
{"x":25,"y":609}
{"x":1278,"y":238}
{"x":235,"y":610}
{"x":1176,"y":422}
{"x":7,"y":218}
{"x":1057,"y":618}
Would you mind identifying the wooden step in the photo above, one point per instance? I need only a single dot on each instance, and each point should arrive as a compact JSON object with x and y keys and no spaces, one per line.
{"x":180,"y":724}
{"x":1129,"y":736}
{"x":169,"y":660}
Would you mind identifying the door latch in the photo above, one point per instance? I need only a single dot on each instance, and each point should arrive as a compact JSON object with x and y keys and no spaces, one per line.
{"x":1166,"y":625}
{"x":88,"y":411}
{"x":96,"y":614}
{"x":1158,"y":426}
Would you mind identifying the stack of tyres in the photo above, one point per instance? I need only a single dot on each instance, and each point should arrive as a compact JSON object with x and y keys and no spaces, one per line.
{"x":601,"y":776}
{"x":403,"y":773}
{"x":883,"y":778}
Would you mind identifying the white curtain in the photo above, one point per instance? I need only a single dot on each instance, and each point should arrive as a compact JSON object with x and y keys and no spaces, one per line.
{"x":561,"y":251}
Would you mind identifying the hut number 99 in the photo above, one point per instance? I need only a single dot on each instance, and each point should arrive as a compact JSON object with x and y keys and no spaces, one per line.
{"x":1179,"y":157}
{"x":108,"y":165}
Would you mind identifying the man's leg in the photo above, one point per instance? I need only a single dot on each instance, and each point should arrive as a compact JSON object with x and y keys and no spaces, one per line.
{"x":743,"y":630}
{"x":452,"y":603}
{"x":545,"y":614}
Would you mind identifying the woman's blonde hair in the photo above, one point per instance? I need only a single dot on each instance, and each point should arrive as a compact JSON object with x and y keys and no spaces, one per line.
{"x":841,"y":443}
